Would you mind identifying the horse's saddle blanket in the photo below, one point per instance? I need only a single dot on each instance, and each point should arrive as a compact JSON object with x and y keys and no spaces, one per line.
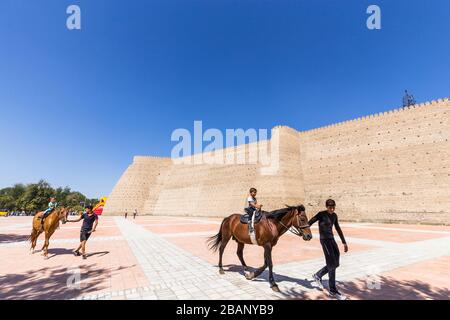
{"x":245,"y":218}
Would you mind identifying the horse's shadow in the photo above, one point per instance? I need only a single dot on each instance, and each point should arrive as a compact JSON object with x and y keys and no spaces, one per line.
{"x":279,"y":278}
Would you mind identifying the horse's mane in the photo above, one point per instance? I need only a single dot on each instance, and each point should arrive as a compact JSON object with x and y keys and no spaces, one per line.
{"x":280,"y":213}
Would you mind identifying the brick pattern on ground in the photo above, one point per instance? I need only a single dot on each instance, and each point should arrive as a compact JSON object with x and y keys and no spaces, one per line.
{"x":167,"y":258}
{"x":174,"y":273}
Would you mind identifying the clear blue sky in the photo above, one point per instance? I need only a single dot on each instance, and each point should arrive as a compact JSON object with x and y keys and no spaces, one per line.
{"x":75,"y":106}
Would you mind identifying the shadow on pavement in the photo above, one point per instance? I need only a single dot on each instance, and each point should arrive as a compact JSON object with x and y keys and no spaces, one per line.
{"x":100,"y":254}
{"x":10,"y":238}
{"x":55,"y":283}
{"x":389,"y":288}
{"x":393,"y":289}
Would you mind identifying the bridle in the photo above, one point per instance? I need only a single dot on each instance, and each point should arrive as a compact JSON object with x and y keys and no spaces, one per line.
{"x":296,"y":230}
{"x":62,"y":215}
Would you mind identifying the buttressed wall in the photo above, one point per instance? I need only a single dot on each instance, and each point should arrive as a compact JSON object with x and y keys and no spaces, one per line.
{"x":393,"y":166}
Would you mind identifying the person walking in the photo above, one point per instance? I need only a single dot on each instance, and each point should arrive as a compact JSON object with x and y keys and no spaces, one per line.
{"x":90,"y":222}
{"x":327,"y":219}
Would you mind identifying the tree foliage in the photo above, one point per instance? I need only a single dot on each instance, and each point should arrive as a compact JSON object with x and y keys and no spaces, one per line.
{"x":35,"y":197}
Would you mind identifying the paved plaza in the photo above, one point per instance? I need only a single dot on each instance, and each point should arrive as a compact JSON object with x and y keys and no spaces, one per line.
{"x":155,"y":257}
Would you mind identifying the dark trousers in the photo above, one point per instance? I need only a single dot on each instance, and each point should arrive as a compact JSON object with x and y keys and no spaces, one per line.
{"x":332,"y":254}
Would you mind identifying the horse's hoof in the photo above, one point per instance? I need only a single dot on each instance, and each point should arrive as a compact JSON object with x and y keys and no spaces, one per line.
{"x":275,"y":288}
{"x":249,"y":275}
{"x":221,"y":271}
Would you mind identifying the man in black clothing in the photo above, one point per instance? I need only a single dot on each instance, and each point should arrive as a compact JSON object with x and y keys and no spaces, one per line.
{"x":327,"y":219}
{"x":90,"y":221}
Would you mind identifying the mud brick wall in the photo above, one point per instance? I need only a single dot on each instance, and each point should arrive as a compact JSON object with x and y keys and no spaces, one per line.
{"x":393,"y":166}
{"x":388,"y":167}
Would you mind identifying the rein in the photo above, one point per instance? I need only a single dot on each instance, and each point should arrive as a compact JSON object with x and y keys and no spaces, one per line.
{"x":294,"y":230}
{"x":58,"y":214}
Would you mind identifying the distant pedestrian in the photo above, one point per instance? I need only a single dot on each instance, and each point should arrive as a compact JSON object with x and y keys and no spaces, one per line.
{"x":126,"y":214}
{"x":134,"y":213}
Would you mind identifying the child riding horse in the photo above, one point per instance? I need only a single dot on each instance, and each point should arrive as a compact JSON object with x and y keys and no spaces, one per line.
{"x":271,"y":227}
{"x":50,"y":224}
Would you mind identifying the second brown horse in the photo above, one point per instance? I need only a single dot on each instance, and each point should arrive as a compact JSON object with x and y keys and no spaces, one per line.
{"x":51,"y":223}
{"x":271,"y":227}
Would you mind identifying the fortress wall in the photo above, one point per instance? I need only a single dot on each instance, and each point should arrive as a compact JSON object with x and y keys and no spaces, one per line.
{"x":221,"y":189}
{"x":206,"y":189}
{"x":390,"y":167}
{"x":136,"y":185}
{"x":393,"y":166}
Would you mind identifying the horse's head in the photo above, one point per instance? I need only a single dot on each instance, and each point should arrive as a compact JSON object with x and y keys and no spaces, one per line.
{"x":300,"y":222}
{"x":62,"y":215}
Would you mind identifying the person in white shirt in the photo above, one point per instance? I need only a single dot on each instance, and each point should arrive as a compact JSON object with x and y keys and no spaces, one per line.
{"x":252,"y":204}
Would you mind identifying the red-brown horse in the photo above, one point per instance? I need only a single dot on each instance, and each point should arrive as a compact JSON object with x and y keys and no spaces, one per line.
{"x":51,"y":223}
{"x":271,"y":227}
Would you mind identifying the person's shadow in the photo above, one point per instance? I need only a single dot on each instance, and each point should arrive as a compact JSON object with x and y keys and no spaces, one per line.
{"x":100,"y":254}
{"x":279,"y":278}
{"x":63,"y":251}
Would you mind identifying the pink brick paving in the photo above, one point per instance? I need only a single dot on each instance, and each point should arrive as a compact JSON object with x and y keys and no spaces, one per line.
{"x":129,"y":260}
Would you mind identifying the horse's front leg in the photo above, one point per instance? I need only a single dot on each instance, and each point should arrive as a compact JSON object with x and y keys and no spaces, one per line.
{"x":45,"y":247}
{"x":268,"y":255}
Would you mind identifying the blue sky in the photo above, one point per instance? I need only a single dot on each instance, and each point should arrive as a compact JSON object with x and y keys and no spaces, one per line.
{"x":76,"y":106}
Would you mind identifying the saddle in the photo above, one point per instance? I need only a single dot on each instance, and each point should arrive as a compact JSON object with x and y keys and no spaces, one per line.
{"x":245,"y":218}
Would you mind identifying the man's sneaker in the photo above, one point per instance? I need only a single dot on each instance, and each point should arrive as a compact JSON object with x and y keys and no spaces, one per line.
{"x":318,"y":281}
{"x":338,"y":295}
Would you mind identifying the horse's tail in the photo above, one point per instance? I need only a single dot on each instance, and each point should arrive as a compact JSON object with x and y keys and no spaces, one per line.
{"x":32,"y":234}
{"x":30,"y":238}
{"x":215,"y":241}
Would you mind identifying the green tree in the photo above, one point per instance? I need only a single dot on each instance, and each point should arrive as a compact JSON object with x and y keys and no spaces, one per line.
{"x":35,"y":197}
{"x":8,"y":196}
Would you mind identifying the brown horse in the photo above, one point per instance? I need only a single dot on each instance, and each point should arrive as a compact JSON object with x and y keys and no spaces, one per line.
{"x":271,"y":227}
{"x":51,"y":223}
